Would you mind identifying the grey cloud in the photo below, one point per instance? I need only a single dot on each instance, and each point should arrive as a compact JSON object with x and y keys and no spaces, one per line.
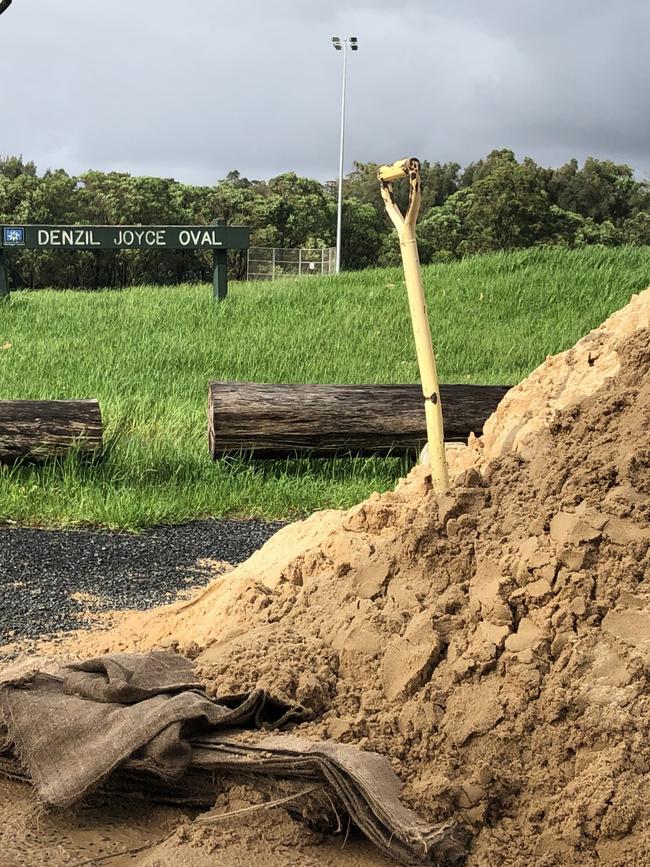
{"x":192,"y":90}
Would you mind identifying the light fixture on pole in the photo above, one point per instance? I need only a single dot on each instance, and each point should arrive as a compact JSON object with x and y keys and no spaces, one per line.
{"x":342,"y":45}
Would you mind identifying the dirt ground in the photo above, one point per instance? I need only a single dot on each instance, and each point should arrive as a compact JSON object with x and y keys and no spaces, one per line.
{"x":157,"y":836}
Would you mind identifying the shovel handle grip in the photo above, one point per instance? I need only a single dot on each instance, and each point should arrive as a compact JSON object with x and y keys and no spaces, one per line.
{"x":397,"y":170}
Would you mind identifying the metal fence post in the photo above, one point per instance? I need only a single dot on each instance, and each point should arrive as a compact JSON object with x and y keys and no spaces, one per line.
{"x":273,"y":270}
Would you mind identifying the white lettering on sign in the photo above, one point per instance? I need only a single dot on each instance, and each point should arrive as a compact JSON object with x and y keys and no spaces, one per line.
{"x":140,"y":238}
{"x":74,"y":236}
{"x":67,"y":237}
{"x":199,"y":238}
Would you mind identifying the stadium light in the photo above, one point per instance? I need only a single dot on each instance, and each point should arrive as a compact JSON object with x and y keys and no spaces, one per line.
{"x":342,"y":45}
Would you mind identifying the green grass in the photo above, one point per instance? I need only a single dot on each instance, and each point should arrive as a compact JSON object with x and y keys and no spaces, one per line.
{"x":147,"y":353}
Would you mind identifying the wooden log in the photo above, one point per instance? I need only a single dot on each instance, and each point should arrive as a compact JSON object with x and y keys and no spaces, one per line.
{"x":274,"y":421}
{"x":44,"y":428}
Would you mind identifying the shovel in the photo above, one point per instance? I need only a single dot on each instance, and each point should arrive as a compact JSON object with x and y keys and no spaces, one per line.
{"x":405,"y":225}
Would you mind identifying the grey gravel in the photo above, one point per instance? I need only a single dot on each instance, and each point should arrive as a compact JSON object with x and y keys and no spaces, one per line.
{"x":40,"y":569}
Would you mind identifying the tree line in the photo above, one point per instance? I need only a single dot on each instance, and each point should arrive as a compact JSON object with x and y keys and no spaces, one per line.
{"x":497,"y":203}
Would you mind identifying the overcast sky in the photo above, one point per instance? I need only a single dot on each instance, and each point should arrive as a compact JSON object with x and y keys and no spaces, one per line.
{"x":193,"y":88}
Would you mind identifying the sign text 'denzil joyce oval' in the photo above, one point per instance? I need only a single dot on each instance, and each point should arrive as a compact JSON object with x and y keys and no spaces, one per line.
{"x":124,"y":237}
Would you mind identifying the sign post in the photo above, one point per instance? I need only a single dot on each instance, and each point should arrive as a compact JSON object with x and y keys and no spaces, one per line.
{"x":220,"y":275}
{"x":4,"y":283}
{"x":218,"y":237}
{"x":219,"y":270}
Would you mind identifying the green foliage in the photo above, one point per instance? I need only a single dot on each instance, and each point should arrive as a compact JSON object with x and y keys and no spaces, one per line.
{"x":605,"y":234}
{"x":503,"y":204}
{"x":444,"y":231}
{"x":636,"y":229}
{"x":299,"y":210}
{"x":601,"y":190}
{"x":390,"y":255}
{"x":497,"y":203}
{"x":288,"y":211}
{"x":12,"y":167}
{"x":363,"y":233}
{"x":148,"y":352}
{"x":563,"y":226}
{"x":503,"y":209}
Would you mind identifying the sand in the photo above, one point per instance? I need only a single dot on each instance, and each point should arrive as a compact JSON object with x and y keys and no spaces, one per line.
{"x":494,"y":642}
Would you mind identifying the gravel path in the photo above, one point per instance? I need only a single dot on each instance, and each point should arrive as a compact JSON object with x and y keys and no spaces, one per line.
{"x":41,"y":569}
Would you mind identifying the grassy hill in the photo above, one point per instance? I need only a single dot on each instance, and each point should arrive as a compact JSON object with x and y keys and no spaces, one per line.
{"x":147,"y":354}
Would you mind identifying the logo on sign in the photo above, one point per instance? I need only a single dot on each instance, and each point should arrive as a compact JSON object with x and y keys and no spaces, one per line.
{"x":13,"y":237}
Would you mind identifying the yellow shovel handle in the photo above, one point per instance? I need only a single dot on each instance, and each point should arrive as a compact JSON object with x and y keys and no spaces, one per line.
{"x":419,"y":317}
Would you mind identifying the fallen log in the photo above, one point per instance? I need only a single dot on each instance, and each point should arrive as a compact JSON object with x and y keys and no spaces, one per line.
{"x":44,"y":428}
{"x":273,"y":421}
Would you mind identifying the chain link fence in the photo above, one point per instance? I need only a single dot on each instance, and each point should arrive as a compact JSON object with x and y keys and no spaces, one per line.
{"x":270,"y":263}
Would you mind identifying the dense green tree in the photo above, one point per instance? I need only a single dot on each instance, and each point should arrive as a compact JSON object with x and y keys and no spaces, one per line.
{"x":496,"y":203}
{"x":606,"y":234}
{"x":480,"y":169}
{"x":504,"y":209}
{"x":362,"y":231}
{"x":439,"y":181}
{"x":302,"y":209}
{"x":636,"y":229}
{"x":601,"y":190}
{"x":11,"y":167}
{"x":442,"y":229}
{"x":362,"y":184}
{"x":563,"y":227}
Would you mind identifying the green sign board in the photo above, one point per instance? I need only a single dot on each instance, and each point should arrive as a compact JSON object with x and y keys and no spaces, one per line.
{"x":217,"y":238}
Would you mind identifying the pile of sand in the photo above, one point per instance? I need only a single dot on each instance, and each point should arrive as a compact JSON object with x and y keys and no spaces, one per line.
{"x":494,"y":643}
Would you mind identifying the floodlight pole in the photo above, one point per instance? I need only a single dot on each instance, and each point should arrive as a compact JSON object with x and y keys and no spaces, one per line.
{"x":342,"y":45}
{"x":339,"y":213}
